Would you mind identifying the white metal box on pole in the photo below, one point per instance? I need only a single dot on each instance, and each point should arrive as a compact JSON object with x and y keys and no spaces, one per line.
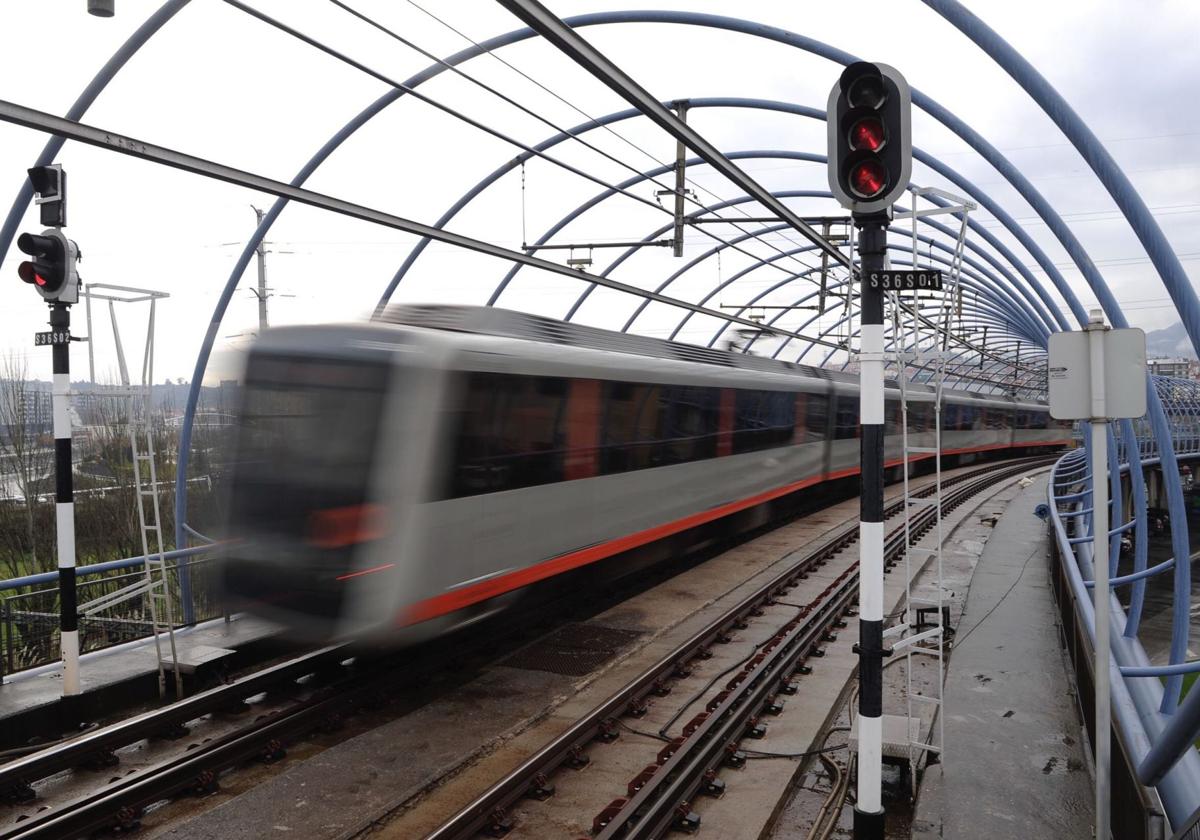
{"x":1097,"y":375}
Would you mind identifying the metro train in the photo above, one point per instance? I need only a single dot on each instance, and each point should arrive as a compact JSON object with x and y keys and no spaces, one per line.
{"x":403,"y":477}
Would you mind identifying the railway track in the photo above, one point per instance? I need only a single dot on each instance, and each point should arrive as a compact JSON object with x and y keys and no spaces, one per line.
{"x":688,"y":763}
{"x":658,"y":799}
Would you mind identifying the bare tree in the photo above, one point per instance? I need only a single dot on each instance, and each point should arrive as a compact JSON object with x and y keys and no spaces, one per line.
{"x":26,"y":454}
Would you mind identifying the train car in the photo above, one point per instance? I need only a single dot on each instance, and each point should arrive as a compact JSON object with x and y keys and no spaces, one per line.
{"x":400,"y":478}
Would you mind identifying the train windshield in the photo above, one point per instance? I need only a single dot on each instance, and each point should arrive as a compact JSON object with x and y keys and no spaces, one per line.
{"x":306,"y":447}
{"x":307,"y":439}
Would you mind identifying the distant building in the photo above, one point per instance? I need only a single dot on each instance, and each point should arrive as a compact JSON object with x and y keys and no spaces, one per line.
{"x":1179,"y":368}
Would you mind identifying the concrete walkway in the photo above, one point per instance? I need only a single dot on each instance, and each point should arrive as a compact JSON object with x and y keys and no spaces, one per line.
{"x":1014,"y":764}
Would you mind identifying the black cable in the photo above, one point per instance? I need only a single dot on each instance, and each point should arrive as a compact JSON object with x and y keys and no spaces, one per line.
{"x":753,"y":755}
{"x":958,"y":640}
{"x":653,"y":735}
{"x":446,"y":109}
{"x":696,"y":696}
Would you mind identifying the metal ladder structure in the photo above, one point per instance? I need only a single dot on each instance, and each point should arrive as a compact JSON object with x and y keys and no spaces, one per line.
{"x":155,"y":585}
{"x":927,"y":351}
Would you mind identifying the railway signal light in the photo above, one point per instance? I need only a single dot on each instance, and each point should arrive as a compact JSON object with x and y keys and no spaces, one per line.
{"x":52,"y":269}
{"x":870,"y":137}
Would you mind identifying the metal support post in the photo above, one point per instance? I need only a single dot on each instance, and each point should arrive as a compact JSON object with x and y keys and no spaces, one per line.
{"x":1100,"y":594}
{"x":824,"y":271}
{"x":261,"y":253}
{"x":64,"y":496}
{"x":681,"y":109}
{"x":868,"y":810}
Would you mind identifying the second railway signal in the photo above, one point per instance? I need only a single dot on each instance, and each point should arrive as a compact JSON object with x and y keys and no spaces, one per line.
{"x":52,"y":272}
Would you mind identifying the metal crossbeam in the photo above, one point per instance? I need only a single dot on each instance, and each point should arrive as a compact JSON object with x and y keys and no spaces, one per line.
{"x":21,"y":115}
{"x":544,"y":22}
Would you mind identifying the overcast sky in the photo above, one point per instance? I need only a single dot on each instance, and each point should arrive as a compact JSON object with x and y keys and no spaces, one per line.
{"x":220,"y":84}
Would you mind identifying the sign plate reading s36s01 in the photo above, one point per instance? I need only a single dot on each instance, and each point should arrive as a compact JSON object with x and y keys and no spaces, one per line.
{"x":904,"y":281}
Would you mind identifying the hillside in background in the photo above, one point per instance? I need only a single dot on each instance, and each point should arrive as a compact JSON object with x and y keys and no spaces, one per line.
{"x":1171,"y":342}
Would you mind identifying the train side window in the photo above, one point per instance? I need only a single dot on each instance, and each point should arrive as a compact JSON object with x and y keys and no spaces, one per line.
{"x":919,"y":414}
{"x":472,"y":471}
{"x":763,"y":420}
{"x":632,"y":426}
{"x":690,"y":432}
{"x":846,"y":426}
{"x":949,"y":417}
{"x":816,"y":417}
{"x":509,"y":433}
{"x":891,"y":416}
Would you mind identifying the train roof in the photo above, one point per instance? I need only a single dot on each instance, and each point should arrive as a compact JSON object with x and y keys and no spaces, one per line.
{"x":508,"y":323}
{"x":491,"y":320}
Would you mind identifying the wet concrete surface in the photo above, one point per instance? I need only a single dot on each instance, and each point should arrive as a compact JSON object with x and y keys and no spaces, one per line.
{"x":1014,"y":765}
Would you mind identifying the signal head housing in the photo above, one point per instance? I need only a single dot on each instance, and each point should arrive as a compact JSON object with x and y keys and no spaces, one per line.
{"x":52,"y":270}
{"x":870,"y":137}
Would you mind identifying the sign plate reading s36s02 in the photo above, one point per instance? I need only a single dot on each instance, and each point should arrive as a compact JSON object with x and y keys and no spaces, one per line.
{"x":51,"y":338}
{"x":904,"y":281}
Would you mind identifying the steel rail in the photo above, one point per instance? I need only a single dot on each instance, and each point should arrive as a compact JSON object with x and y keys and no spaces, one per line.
{"x":120,"y":804}
{"x":650,"y":813}
{"x":489,"y":807}
{"x":18,"y":775}
{"x":654,"y":809}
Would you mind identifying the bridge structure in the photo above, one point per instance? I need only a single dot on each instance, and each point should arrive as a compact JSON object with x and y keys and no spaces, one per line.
{"x":1005,"y":304}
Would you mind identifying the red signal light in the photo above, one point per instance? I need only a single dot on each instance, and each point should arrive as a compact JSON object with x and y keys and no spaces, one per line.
{"x":868,"y":178}
{"x":868,"y":133}
{"x":27,"y":273}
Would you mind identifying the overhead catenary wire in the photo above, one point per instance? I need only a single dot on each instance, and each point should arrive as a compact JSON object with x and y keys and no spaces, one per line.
{"x":322,"y":47}
{"x":583,"y":113}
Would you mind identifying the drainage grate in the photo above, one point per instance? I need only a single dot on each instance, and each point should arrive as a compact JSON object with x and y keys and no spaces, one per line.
{"x":573,"y":650}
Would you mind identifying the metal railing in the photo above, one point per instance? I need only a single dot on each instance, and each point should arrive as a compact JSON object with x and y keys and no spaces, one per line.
{"x":1155,"y":732}
{"x":29,"y":607}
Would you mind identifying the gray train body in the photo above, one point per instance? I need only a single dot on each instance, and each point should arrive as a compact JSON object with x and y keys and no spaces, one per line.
{"x":405,"y":477}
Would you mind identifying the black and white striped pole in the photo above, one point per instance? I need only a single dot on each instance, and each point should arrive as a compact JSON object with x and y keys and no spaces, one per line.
{"x":870,"y":159}
{"x":64,"y":497}
{"x":52,"y":273}
{"x":868,"y":810}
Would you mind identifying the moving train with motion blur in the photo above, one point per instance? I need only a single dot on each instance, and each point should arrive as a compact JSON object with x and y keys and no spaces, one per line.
{"x":400,"y":478}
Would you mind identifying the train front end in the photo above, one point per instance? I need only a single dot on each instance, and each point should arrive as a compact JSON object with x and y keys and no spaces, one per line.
{"x":312,"y":522}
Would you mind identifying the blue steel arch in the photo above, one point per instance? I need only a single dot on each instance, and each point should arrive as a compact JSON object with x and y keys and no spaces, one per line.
{"x":1110,"y":175}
